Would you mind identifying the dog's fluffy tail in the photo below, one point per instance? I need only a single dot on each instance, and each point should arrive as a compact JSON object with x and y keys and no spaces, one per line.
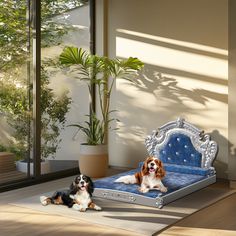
{"x":127,"y":179}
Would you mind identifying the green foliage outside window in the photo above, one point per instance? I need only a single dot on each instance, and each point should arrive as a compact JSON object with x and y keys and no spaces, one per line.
{"x":16,"y":86}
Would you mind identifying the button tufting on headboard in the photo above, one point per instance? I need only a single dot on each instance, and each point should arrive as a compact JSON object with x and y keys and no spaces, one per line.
{"x":174,"y":153}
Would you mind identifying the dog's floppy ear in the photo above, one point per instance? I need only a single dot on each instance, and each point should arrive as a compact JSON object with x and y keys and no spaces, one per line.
{"x":90,"y":186}
{"x":160,"y":172}
{"x":145,"y":167}
{"x":73,"y":188}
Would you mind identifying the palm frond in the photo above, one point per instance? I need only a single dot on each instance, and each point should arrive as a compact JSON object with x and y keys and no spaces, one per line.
{"x":101,"y":72}
{"x":132,"y":63}
{"x":74,"y":56}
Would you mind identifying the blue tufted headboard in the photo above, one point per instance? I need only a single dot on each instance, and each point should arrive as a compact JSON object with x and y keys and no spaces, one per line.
{"x":182,"y":144}
{"x":179,"y":150}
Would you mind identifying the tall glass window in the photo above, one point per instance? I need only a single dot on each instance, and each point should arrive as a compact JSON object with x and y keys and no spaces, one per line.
{"x":15,"y":89}
{"x":62,"y":100}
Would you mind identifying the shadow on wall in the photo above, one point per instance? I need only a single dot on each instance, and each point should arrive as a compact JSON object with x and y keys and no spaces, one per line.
{"x":179,"y":77}
{"x":152,"y":81}
{"x":159,"y":98}
{"x":185,"y":71}
{"x":227,"y":149}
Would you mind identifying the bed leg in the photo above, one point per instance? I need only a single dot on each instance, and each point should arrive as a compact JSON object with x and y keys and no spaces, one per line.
{"x":159,"y":202}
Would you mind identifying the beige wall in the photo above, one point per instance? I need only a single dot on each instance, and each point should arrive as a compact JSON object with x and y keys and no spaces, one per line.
{"x":184,"y":45}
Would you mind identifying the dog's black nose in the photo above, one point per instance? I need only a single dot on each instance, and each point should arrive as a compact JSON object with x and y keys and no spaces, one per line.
{"x":152,"y":164}
{"x":82,"y":182}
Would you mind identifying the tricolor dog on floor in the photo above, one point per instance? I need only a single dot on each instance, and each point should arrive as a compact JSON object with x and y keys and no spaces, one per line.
{"x":78,"y":196}
{"x":149,"y":178}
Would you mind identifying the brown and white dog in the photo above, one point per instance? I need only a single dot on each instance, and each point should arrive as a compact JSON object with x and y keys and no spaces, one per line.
{"x":149,"y":178}
{"x":78,"y":196}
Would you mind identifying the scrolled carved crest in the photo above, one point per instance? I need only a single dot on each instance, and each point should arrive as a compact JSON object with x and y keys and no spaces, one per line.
{"x":210,"y":149}
{"x":202,"y":142}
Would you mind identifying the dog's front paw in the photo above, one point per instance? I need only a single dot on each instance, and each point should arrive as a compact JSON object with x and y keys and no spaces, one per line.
{"x":163,"y":189}
{"x":143,"y":190}
{"x":77,"y":207}
{"x":82,"y":209}
{"x":44,"y":200}
{"x":97,"y":208}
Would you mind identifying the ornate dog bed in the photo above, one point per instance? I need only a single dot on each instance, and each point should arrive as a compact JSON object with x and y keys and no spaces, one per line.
{"x":187,"y":154}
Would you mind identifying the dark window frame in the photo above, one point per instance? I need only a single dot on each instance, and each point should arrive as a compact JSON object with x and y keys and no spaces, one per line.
{"x":37,"y":177}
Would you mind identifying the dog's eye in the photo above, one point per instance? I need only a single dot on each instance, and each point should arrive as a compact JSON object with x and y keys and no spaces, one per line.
{"x":77,"y":179}
{"x":84,"y":178}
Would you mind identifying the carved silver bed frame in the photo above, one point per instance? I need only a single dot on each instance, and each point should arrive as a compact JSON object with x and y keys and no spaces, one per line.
{"x":154,"y":143}
{"x":202,"y":142}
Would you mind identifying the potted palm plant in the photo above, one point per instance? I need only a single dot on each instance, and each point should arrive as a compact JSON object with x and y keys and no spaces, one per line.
{"x":101,"y":72}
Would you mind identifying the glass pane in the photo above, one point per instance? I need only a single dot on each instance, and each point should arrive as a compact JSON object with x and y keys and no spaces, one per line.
{"x":15,"y":90}
{"x":64,"y":99}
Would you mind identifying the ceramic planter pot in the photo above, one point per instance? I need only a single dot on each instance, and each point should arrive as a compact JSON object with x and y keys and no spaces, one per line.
{"x":93,"y":160}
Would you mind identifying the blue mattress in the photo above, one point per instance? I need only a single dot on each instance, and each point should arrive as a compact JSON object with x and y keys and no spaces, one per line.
{"x":173,"y":181}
